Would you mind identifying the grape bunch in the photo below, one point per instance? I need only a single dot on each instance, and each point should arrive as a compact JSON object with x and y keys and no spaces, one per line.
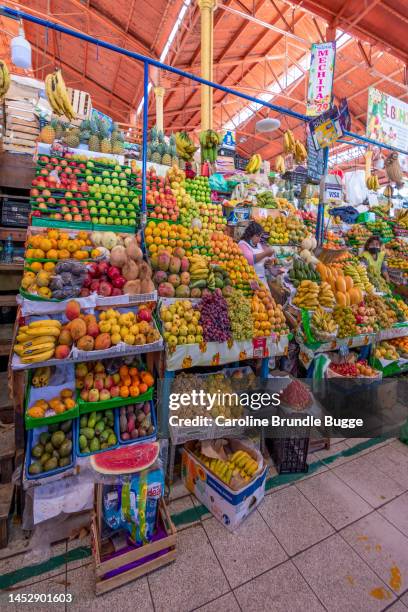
{"x":240,"y":315}
{"x":214,"y":317}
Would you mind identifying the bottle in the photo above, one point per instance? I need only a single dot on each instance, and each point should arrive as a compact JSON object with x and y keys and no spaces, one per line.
{"x":8,"y":250}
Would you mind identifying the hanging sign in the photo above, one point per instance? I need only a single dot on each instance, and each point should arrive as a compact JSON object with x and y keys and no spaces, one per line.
{"x":228,"y":142}
{"x":344,"y":115}
{"x":387,"y":119}
{"x":326,"y":128}
{"x":315,"y":160}
{"x":319,"y":93}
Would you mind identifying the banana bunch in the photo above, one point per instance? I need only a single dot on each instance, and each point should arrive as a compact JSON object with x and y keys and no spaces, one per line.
{"x":244,"y":462}
{"x":358,"y":273}
{"x":402,"y":217}
{"x":57,"y":95}
{"x":280,"y":164}
{"x":326,"y":296}
{"x":388,"y":191}
{"x":41,"y":376}
{"x":185,"y":146}
{"x":323,"y":321}
{"x":37,"y":341}
{"x":209,"y":143}
{"x":4,"y":79}
{"x":300,"y":152}
{"x":372,"y":182}
{"x":254,"y":164}
{"x":198,"y":268}
{"x":307,"y":295}
{"x":289,"y":142}
{"x":223,"y":469}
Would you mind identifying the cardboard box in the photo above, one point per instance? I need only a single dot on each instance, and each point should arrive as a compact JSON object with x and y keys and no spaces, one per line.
{"x":228,"y":506}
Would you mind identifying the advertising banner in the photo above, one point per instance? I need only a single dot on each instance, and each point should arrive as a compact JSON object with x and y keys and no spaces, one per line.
{"x":319,"y":93}
{"x":387,"y":119}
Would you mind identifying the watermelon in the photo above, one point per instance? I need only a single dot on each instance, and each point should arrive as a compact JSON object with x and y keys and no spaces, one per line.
{"x":126,"y":459}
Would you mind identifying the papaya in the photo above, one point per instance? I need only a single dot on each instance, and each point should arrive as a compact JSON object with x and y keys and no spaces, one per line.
{"x":348,"y":299}
{"x":322,"y":270}
{"x":349,"y":282}
{"x":341,"y":298}
{"x":341,"y":284}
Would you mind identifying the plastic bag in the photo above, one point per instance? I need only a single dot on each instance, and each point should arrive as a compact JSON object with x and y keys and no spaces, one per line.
{"x":356,"y":188}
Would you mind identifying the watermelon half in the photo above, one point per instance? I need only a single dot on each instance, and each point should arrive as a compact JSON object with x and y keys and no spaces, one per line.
{"x":126,"y":459}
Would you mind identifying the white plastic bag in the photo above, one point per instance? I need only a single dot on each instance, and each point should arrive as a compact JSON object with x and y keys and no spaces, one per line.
{"x":356,"y":188}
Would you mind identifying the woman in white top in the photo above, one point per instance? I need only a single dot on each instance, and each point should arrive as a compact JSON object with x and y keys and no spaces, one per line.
{"x":254,"y":252}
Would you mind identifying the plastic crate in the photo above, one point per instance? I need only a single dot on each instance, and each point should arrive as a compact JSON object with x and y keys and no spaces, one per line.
{"x":15,"y":213}
{"x":289,"y":454}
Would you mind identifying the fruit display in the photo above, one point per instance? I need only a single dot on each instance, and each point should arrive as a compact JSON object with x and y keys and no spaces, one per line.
{"x":135,"y":421}
{"x":181,"y":323}
{"x":386,"y":350}
{"x":236,"y":470}
{"x":378,"y":281}
{"x":333,"y":241}
{"x":209,"y":143}
{"x":97,"y":431}
{"x":322,"y":323}
{"x":302,"y":271}
{"x":51,"y":449}
{"x":254,"y":164}
{"x":162,"y":202}
{"x":199,"y":188}
{"x":326,"y":295}
{"x":159,"y":151}
{"x":399,"y":307}
{"x":284,"y":230}
{"x":401,"y":217}
{"x":267,"y":316}
{"x":227,"y":254}
{"x":239,"y":311}
{"x":385,"y":315}
{"x":160,"y":236}
{"x":399,"y":263}
{"x":99,"y":382}
{"x":38,"y":341}
{"x":342,"y":286}
{"x":354,"y":369}
{"x":366,"y":318}
{"x":307,"y":295}
{"x":380,"y":228}
{"x":57,"y":405}
{"x":373,"y":182}
{"x":401,"y":344}
{"x":54,"y":244}
{"x":266,"y":199}
{"x":57,"y":95}
{"x":214,"y":317}
{"x":280,"y":166}
{"x":359,"y":276}
{"x":346,"y":321}
{"x":357,"y":235}
{"x":296,"y":396}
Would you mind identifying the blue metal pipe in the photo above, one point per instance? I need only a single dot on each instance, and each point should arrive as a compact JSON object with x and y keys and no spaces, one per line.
{"x":14,"y":14}
{"x":144,"y":137}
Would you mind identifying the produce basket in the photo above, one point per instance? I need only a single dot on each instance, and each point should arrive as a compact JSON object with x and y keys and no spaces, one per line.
{"x":148,"y":438}
{"x":33,"y":439}
{"x":78,"y":451}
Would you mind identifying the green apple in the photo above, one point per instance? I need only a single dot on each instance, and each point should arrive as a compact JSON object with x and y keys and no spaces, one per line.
{"x":102,"y":220}
{"x":132,"y":214}
{"x":114,"y":175}
{"x":115,"y":182}
{"x":118,"y":221}
{"x":105,"y":173}
{"x":93,"y":210}
{"x":123,"y":183}
{"x":90,"y":179}
{"x":114,"y":213}
{"x":110,"y":189}
{"x":91,"y":203}
{"x":128,"y":171}
{"x":122,"y":213}
{"x":106,"y":181}
{"x":130,"y":207}
{"x":125,"y":200}
{"x":94,"y":220}
{"x":125,"y":222}
{"x":107,"y":197}
{"x":90,"y":164}
{"x":98,"y":179}
{"x":117,"y":168}
{"x":103,"y":189}
{"x":104,"y":211}
{"x":112,"y":205}
{"x":132,"y":222}
{"x":116,"y":199}
{"x":109,"y":221}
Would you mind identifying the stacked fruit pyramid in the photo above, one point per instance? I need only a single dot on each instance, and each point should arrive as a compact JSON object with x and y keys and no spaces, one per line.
{"x":74,"y":189}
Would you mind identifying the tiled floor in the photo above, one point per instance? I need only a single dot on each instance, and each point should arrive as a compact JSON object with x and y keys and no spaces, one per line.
{"x":336,"y":540}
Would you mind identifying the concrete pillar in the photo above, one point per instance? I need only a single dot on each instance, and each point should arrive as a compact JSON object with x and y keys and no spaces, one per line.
{"x":159,"y":95}
{"x":207,"y":30}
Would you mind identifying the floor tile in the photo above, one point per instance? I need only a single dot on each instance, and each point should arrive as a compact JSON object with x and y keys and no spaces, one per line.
{"x":248,"y":551}
{"x":293,"y":519}
{"x":396,"y":512}
{"x":339,"y":504}
{"x":338,"y":575}
{"x":178,"y":489}
{"x":53,"y":586}
{"x":397,"y":607}
{"x":327,"y":455}
{"x":368,"y":481}
{"x":179,"y":510}
{"x":130,"y":597}
{"x":393,"y":463}
{"x":195,"y":578}
{"x":226,"y":603}
{"x":383,"y":547}
{"x":79,"y":543}
{"x":11,"y":564}
{"x":404,"y":599}
{"x":400,"y":446}
{"x":281,"y":589}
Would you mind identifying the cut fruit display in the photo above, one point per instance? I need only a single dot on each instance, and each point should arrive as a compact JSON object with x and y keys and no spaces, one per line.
{"x":126,"y":459}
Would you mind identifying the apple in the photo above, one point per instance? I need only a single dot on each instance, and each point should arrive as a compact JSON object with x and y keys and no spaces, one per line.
{"x":104,"y":395}
{"x":93,"y":395}
{"x":116,"y":291}
{"x":108,"y":382}
{"x":103,"y":267}
{"x":84,"y":395}
{"x":114,"y":391}
{"x":105,"y":289}
{"x":94,"y":286}
{"x":99,"y":368}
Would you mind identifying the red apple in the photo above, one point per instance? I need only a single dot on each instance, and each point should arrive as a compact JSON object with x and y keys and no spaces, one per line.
{"x":105,"y":289}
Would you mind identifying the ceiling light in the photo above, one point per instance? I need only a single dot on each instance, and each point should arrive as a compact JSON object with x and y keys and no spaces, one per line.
{"x":267,"y":125}
{"x":21,"y":50}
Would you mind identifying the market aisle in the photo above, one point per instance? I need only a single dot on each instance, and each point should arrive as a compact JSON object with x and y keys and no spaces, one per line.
{"x":338,"y":535}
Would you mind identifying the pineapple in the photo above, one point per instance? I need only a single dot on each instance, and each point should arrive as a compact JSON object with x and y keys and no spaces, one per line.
{"x":156,"y":155}
{"x":173,"y":153}
{"x":93,"y":142}
{"x":117,"y":140}
{"x":106,"y":146}
{"x":47,"y":133}
{"x":166,"y":157}
{"x":71,"y":138}
{"x":149,"y":152}
{"x":153,"y":134}
{"x":160,"y":136}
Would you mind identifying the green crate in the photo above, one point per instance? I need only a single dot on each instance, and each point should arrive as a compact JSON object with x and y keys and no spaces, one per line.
{"x":114,"y":402}
{"x":32,"y":423}
{"x":56,"y":223}
{"x":125,"y":229}
{"x":36,"y":298}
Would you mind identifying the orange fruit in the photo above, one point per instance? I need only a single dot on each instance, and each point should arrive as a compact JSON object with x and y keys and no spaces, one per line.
{"x":52,"y":254}
{"x":123,"y":371}
{"x":36,"y":266}
{"x":134,"y":391}
{"x":63,"y":254}
{"x":124,"y":392}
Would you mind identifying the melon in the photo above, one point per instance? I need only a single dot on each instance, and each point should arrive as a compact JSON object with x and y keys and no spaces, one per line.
{"x":126,"y":459}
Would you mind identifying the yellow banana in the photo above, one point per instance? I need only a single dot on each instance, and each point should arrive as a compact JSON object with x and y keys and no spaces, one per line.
{"x":38,"y":357}
{"x":37,"y":340}
{"x":34,"y":350}
{"x":43,"y":331}
{"x":45,"y":323}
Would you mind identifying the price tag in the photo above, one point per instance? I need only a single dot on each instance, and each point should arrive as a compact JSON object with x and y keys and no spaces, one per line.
{"x":259,"y":347}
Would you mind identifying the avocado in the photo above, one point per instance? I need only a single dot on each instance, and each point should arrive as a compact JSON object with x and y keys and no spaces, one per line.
{"x":37,"y":451}
{"x":99,"y":427}
{"x":112,"y":439}
{"x":44,"y":458}
{"x":94,"y":445}
{"x":51,"y":464}
{"x":104,"y":436}
{"x":88,"y":432}
{"x":83,"y":421}
{"x":104,"y":445}
{"x":83,"y":442}
{"x":49,"y":448}
{"x":64,"y":461}
{"x":92,"y":421}
{"x":35,"y":468}
{"x":44,"y":438}
{"x":109,"y":414}
{"x":65,"y":448}
{"x":55,"y":453}
{"x":57,"y":438}
{"x":66,"y":426}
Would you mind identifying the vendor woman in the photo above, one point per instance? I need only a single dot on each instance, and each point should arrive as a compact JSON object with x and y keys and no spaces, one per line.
{"x":254,"y":252}
{"x":374,"y":258}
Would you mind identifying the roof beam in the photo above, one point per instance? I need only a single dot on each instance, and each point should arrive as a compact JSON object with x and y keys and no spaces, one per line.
{"x":364,"y":54}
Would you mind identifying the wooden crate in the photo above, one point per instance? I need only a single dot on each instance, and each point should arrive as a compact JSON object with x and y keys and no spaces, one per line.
{"x":102,"y":585}
{"x":81,"y":103}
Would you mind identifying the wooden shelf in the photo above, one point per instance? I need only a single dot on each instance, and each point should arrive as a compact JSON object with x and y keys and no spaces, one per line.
{"x":8,"y":300}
